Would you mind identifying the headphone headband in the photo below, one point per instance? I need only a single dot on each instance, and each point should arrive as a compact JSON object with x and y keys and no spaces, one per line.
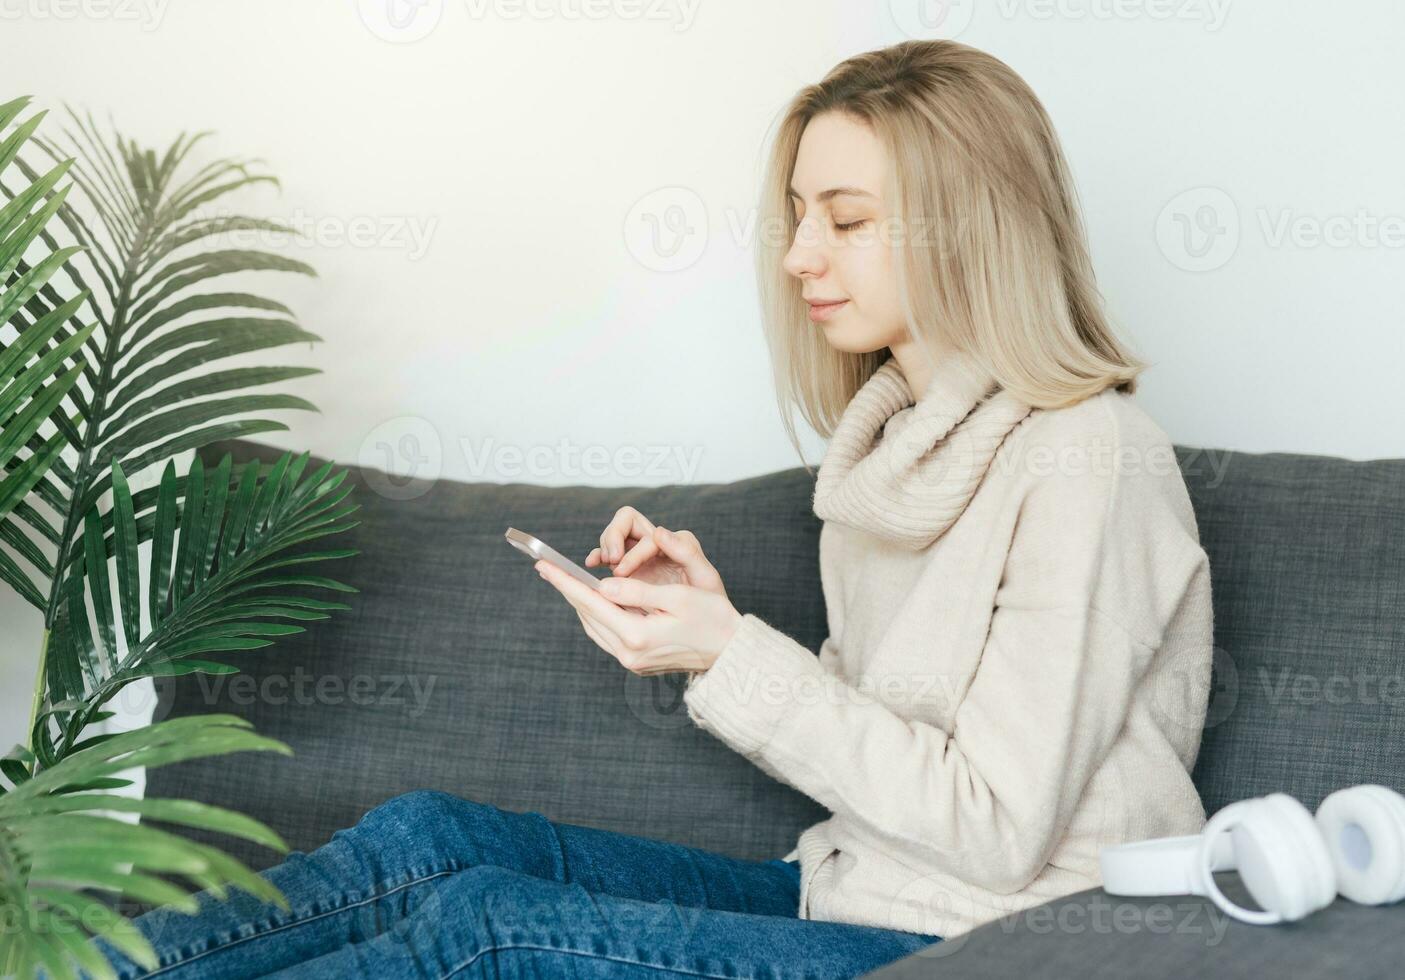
{"x":1291,"y":863}
{"x":1164,"y":866}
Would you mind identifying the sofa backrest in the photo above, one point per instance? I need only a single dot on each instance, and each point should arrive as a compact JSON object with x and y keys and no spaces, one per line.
{"x":1307,"y":569}
{"x":458,"y":669}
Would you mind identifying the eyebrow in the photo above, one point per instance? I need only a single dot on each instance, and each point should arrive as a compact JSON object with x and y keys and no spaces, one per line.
{"x":834,"y":192}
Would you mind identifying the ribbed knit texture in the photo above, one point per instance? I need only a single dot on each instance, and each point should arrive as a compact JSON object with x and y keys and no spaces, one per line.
{"x":907,"y":483}
{"x":1018,"y":657}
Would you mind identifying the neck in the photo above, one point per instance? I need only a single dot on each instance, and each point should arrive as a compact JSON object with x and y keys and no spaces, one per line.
{"x":917,"y":367}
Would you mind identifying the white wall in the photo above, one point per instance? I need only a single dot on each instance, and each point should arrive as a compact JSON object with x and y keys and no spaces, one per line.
{"x":501,"y":166}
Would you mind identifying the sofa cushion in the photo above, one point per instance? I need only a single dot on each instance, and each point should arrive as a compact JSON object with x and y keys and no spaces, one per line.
{"x":1307,"y":570}
{"x":457,"y":668}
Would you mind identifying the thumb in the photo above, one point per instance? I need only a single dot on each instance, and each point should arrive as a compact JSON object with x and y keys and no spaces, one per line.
{"x":683,"y":547}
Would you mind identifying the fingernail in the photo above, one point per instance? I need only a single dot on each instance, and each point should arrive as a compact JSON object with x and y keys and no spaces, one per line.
{"x":609,"y":586}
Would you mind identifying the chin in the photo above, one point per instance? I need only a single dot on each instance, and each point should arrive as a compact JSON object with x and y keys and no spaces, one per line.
{"x":850,"y":341}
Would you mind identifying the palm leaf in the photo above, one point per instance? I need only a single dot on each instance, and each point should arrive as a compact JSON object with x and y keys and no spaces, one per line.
{"x":37,"y":369}
{"x":121,"y":373}
{"x":57,"y":847}
{"x":207,"y":554}
{"x":148,"y":337}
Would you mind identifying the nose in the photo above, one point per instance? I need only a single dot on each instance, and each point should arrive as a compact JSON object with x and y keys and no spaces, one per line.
{"x":807,"y":255}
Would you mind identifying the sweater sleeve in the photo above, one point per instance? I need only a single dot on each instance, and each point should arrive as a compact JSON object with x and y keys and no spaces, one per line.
{"x":991,"y":799}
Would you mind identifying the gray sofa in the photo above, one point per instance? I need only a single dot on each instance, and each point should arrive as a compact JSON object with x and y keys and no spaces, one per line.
{"x":458,"y":669}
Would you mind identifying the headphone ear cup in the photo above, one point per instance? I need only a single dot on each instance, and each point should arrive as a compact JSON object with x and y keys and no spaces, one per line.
{"x":1282,"y":858}
{"x":1305,"y":878}
{"x":1363,"y":828}
{"x":1394,"y":805}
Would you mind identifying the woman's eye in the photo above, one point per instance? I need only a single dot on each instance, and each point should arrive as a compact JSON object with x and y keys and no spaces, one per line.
{"x":851,"y":225}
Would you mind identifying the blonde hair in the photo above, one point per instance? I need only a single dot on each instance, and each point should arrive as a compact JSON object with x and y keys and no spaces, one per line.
{"x":1004,"y":273}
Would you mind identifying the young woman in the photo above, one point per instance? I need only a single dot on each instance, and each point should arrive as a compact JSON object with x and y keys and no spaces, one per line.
{"x":1019,"y":646}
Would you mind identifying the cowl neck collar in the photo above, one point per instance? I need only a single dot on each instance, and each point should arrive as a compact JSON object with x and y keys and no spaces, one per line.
{"x":904,"y":468}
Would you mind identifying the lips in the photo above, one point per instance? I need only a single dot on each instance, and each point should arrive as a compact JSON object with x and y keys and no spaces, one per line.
{"x":821,"y":310}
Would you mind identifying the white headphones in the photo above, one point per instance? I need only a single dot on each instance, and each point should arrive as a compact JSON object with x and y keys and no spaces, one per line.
{"x":1292,"y":865}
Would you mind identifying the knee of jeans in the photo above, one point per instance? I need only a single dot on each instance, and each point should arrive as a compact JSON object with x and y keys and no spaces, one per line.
{"x":416,"y":810}
{"x":424,"y":815}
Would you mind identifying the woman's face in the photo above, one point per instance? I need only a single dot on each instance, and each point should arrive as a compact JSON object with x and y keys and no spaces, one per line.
{"x":842,"y":250}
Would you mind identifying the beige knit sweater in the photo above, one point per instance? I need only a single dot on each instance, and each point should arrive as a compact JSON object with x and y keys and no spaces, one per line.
{"x":1018,"y":659}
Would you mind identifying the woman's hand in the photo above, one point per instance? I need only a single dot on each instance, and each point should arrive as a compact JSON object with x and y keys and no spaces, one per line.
{"x":686,"y":630}
{"x":638,"y":549}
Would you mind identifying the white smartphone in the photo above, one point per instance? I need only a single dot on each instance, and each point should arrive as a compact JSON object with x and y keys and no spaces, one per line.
{"x":536,"y":548}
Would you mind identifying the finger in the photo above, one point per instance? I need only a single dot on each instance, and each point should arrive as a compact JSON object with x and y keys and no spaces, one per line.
{"x":597,"y":557}
{"x":555,"y":576}
{"x":633,"y":592}
{"x":636,"y":556}
{"x":627,"y":522}
{"x":603,"y":638}
{"x":569,"y":594}
{"x":624,"y":624}
{"x":684,"y":548}
{"x":607,"y":641}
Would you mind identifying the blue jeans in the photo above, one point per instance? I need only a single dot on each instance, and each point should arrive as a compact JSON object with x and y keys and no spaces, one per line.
{"x":429,"y":885}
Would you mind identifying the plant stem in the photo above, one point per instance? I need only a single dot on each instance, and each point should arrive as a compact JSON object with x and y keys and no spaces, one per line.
{"x":39,"y":687}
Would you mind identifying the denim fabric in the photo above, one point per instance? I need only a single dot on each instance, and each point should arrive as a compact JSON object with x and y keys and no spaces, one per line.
{"x":429,"y":885}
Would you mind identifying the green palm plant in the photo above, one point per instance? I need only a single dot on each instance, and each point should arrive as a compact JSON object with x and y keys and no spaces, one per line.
{"x":59,"y":846}
{"x":119,"y":372}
